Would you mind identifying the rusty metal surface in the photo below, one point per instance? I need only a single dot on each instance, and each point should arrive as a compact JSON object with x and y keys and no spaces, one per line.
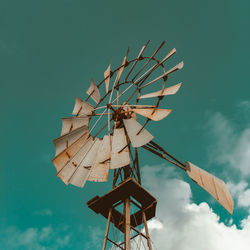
{"x":93,"y":92}
{"x":119,"y":142}
{"x":82,"y":107}
{"x":81,"y":174}
{"x":62,"y":142}
{"x":128,"y":188}
{"x":213,"y":185}
{"x":72,"y":123}
{"x":105,"y":149}
{"x":89,"y":158}
{"x":107,"y":76}
{"x":153,"y":114}
{"x":99,"y":172}
{"x":168,"y":91}
{"x":132,"y":128}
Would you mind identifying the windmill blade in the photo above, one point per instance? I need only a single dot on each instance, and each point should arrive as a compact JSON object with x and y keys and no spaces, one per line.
{"x":168,"y":91}
{"x":62,"y":142}
{"x":137,"y":59}
{"x":69,"y":169}
{"x":105,"y":149}
{"x":175,"y":68}
{"x":89,"y":159}
{"x":82,"y":107}
{"x":72,"y":123}
{"x":62,"y":158}
{"x":213,"y":185}
{"x":153,"y":114}
{"x":132,"y":128}
{"x":93,"y":92}
{"x":82,"y":173}
{"x":120,"y":71}
{"x":99,"y":171}
{"x":120,"y":152}
{"x":107,"y":76}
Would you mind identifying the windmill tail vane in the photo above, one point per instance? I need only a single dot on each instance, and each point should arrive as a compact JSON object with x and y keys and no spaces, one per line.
{"x":105,"y":133}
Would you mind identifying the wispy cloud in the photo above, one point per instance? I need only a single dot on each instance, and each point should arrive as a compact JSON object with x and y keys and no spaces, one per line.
{"x":34,"y":238}
{"x":241,"y":194}
{"x":230,"y":144}
{"x":43,"y":212}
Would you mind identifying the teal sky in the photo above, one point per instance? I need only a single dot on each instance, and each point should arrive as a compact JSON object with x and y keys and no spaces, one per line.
{"x":49,"y":50}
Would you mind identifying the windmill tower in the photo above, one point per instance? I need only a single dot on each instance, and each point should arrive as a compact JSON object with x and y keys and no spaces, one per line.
{"x":107,"y":135}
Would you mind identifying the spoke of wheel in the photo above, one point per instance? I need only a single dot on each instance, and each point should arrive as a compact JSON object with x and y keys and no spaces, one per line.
{"x":97,"y":120}
{"x":149,"y":60}
{"x":137,"y":59}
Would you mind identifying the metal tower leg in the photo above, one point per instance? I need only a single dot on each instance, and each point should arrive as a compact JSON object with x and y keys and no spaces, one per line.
{"x":146,"y":230}
{"x":127,"y":223}
{"x":107,"y":230}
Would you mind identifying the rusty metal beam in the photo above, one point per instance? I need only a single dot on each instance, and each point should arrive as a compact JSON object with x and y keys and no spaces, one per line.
{"x":146,"y":230}
{"x":107,"y":230}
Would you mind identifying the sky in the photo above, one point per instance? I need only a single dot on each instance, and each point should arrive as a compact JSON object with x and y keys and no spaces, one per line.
{"x":49,"y":51}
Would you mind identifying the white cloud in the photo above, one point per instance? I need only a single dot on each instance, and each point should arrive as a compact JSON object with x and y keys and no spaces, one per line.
{"x":230,"y":147}
{"x":181,"y":224}
{"x":241,"y":193}
{"x":33,"y":238}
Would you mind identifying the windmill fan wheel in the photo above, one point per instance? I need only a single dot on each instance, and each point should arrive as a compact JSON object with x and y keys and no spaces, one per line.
{"x":111,"y":121}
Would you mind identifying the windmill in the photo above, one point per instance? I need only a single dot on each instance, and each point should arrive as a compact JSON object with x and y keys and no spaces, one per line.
{"x":107,"y":134}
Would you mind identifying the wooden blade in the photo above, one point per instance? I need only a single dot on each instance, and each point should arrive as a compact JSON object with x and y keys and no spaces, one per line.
{"x":82,"y":107}
{"x":168,"y":91}
{"x":93,"y":92}
{"x":61,"y":159}
{"x":82,"y":172}
{"x":175,"y":68}
{"x":72,"y":123}
{"x":153,"y":114}
{"x":119,"y":142}
{"x":213,"y":185}
{"x":132,"y":128}
{"x":107,"y":76}
{"x":68,"y":170}
{"x":66,"y":140}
